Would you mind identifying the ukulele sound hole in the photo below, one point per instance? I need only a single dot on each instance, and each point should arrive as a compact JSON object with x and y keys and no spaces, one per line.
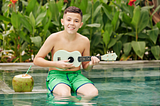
{"x":71,"y":59}
{"x":59,"y":58}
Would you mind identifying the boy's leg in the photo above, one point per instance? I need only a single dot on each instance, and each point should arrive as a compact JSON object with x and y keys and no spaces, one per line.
{"x":84,"y":86}
{"x":58,"y":84}
{"x":62,"y":90}
{"x":88,"y":90}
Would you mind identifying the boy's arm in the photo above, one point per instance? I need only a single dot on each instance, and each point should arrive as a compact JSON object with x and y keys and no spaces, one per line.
{"x":44,"y":50}
{"x":94,"y":60}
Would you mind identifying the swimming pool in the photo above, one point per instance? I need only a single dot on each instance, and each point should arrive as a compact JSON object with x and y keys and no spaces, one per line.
{"x":119,"y":83}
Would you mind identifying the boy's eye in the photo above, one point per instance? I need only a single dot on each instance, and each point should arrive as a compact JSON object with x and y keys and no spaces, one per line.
{"x":68,"y":20}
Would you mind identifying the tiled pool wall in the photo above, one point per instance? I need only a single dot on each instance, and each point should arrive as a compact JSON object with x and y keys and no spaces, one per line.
{"x":101,"y":72}
{"x":101,"y":65}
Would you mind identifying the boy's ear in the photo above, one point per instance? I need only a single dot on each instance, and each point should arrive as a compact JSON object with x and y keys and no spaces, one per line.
{"x":62,"y":21}
{"x":81,"y":24}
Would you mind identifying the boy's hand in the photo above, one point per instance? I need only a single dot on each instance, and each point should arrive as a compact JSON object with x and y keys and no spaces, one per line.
{"x":64,"y":64}
{"x":94,"y":60}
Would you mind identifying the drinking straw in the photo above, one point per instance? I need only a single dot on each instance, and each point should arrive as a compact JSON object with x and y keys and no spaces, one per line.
{"x":28,"y":69}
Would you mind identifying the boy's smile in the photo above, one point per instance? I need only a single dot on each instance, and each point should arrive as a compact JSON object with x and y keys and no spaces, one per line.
{"x":72,"y":22}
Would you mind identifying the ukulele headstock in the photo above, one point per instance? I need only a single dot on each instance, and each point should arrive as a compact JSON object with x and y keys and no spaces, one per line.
{"x":109,"y":56}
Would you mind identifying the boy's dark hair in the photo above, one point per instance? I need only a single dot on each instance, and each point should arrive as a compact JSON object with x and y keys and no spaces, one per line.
{"x":74,"y":9}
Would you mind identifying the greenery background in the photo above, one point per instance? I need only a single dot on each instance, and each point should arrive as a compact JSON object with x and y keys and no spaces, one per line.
{"x":111,"y":25}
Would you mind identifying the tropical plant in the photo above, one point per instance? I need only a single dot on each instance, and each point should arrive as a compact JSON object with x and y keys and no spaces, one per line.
{"x":111,"y":25}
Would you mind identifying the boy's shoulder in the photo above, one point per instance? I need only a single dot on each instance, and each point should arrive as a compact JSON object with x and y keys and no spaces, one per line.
{"x":56,"y":34}
{"x":83,"y":37}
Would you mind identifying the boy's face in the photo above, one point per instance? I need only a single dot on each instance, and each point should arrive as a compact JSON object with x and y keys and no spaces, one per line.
{"x":72,"y":22}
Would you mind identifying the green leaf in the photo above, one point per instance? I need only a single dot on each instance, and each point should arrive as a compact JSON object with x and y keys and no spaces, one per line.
{"x":147,"y":7}
{"x":49,"y":21}
{"x":109,"y":28}
{"x":156,"y":10}
{"x":24,"y":37}
{"x":118,"y":5}
{"x":136,"y":17}
{"x":144,"y":20}
{"x":40,"y":17}
{"x":97,"y":10}
{"x":24,"y":2}
{"x":96,"y":39}
{"x":31,"y":5}
{"x":139,"y":48}
{"x":93,"y":25}
{"x":72,"y":3}
{"x":15,"y":20}
{"x":143,"y":35}
{"x":112,"y":42}
{"x":106,"y":38}
{"x":153,"y":35}
{"x":60,"y":5}
{"x":115,"y":20}
{"x":3,"y":18}
{"x":55,"y":23}
{"x":104,"y":1}
{"x":107,"y":13}
{"x":24,"y":46}
{"x":37,"y":41}
{"x":127,"y":9}
{"x":156,"y":51}
{"x":85,"y":18}
{"x":53,"y":8}
{"x":1,"y":36}
{"x":126,"y":19}
{"x":83,"y":6}
{"x":127,"y":48}
{"x":158,"y":25}
{"x":25,"y":22}
{"x":117,"y":47}
{"x":32,"y":20}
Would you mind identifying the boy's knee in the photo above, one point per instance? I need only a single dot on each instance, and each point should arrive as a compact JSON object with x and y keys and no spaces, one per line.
{"x":62,"y":90}
{"x":93,"y":92}
{"x":63,"y":94}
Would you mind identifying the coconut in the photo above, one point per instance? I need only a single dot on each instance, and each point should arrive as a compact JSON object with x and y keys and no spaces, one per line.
{"x":23,"y":83}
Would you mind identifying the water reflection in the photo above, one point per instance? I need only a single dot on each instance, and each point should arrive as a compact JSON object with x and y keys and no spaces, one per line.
{"x":22,"y":99}
{"x":117,"y":86}
{"x":72,"y":100}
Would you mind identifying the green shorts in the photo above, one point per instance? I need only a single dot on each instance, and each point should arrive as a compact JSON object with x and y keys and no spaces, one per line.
{"x":74,"y":79}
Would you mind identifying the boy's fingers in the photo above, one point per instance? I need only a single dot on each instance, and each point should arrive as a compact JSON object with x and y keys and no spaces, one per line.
{"x":66,"y":60}
{"x":98,"y":55}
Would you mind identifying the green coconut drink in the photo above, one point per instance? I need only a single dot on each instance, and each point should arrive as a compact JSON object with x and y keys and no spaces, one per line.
{"x":23,"y":82}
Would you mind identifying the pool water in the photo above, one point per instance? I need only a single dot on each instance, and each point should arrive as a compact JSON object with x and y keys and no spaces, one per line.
{"x":118,"y":86}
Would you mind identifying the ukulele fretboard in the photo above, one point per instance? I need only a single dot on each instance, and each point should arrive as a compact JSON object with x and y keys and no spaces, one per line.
{"x":86,"y":58}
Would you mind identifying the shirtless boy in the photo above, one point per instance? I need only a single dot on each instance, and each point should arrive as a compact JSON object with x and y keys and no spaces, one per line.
{"x":62,"y":82}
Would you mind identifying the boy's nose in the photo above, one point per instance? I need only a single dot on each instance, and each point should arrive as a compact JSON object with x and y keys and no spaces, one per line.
{"x":71,"y":22}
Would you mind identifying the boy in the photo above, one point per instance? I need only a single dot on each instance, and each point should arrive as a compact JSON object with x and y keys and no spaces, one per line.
{"x":62,"y":82}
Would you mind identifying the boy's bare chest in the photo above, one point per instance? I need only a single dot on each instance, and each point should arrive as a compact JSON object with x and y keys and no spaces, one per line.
{"x":69,"y":46}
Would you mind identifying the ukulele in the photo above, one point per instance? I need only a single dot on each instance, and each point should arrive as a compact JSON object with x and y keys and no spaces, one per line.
{"x":76,"y":58}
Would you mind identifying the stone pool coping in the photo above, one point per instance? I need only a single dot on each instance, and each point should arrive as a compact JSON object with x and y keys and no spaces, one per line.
{"x":4,"y":89}
{"x":101,"y":65}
